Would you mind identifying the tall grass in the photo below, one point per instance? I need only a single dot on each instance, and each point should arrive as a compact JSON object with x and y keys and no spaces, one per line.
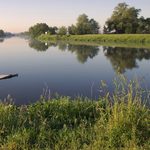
{"x":103,"y":39}
{"x":115,"y":121}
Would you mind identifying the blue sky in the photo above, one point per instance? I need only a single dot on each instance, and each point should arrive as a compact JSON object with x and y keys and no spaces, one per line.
{"x":19,"y":15}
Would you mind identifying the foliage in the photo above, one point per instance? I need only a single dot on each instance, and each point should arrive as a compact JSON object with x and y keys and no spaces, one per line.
{"x":105,"y":30}
{"x":84,"y":26}
{"x":2,"y":33}
{"x":38,"y":29}
{"x":94,"y":27}
{"x":62,"y":30}
{"x":122,"y":123}
{"x":143,"y":25}
{"x":72,"y":29}
{"x":53,"y":30}
{"x":123,"y":20}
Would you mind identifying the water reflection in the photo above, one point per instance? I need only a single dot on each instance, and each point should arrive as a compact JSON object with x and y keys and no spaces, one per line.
{"x":1,"y":40}
{"x":61,"y":46}
{"x":125,"y":58}
{"x":37,"y":45}
{"x":70,"y":69}
{"x":121,"y":58}
{"x":83,"y":52}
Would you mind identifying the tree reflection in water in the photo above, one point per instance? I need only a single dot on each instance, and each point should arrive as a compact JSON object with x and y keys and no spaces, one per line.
{"x":121,"y":58}
{"x":1,"y":40}
{"x":37,"y":45}
{"x":84,"y":52}
{"x":125,"y":58}
{"x":62,"y":46}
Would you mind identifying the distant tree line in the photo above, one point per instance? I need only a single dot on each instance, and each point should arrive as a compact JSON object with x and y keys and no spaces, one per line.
{"x":5,"y":34}
{"x":124,"y":19}
{"x":2,"y":34}
{"x":84,"y":25}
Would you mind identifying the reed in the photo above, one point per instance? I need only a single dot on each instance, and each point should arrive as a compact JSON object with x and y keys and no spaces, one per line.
{"x":116,"y":121}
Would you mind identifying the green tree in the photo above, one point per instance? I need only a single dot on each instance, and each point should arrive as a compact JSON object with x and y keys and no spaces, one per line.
{"x":72,"y":29}
{"x":53,"y":30}
{"x":105,"y":30}
{"x":2,"y":33}
{"x":94,"y":26}
{"x":123,"y":20}
{"x":38,"y":29}
{"x":62,"y":30}
{"x":84,"y":26}
{"x":143,"y":25}
{"x":147,"y":26}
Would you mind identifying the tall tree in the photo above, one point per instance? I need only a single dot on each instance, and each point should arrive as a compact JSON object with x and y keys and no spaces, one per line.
{"x":94,"y":26}
{"x":84,"y":26}
{"x":143,"y":25}
{"x":38,"y":29}
{"x":124,"y":19}
{"x":105,"y":30}
{"x":53,"y":30}
{"x":72,"y":29}
{"x":62,"y":30}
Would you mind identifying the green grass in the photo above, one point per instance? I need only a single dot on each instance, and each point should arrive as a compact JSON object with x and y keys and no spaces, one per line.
{"x":130,"y":40}
{"x":118,"y":121}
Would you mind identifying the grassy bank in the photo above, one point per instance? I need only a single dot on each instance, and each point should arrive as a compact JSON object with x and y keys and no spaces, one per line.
{"x":67,"y":124}
{"x":130,"y":40}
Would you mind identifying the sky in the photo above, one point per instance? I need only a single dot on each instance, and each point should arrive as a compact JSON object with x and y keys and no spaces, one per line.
{"x":18,"y":15}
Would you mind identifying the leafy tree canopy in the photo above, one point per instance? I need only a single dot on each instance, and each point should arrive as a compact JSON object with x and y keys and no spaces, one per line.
{"x":143,"y":25}
{"x":84,"y":25}
{"x":38,"y":29}
{"x":123,"y":20}
{"x":53,"y":30}
{"x":62,"y":30}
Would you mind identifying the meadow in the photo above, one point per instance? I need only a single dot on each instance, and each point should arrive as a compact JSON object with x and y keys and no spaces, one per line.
{"x":125,"y":40}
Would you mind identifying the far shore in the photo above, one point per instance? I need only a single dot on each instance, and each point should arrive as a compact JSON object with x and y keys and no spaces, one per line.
{"x":120,"y":40}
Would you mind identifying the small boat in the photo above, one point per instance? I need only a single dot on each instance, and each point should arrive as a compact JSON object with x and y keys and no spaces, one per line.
{"x":7,"y":76}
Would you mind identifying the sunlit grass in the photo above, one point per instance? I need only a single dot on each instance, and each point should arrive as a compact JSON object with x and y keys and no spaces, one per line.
{"x":125,"y":40}
{"x":116,"y":121}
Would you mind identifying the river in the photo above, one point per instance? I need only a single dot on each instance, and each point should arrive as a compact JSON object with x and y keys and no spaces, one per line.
{"x":66,"y":69}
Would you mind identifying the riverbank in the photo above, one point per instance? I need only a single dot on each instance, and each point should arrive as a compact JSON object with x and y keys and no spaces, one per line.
{"x":62,"y":123}
{"x":129,"y":40}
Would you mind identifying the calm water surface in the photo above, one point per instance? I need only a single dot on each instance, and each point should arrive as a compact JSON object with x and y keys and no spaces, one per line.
{"x":67,"y":69}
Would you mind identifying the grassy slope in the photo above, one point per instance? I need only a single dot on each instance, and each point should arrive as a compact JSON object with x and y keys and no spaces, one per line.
{"x":129,"y":40}
{"x":71,"y":125}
